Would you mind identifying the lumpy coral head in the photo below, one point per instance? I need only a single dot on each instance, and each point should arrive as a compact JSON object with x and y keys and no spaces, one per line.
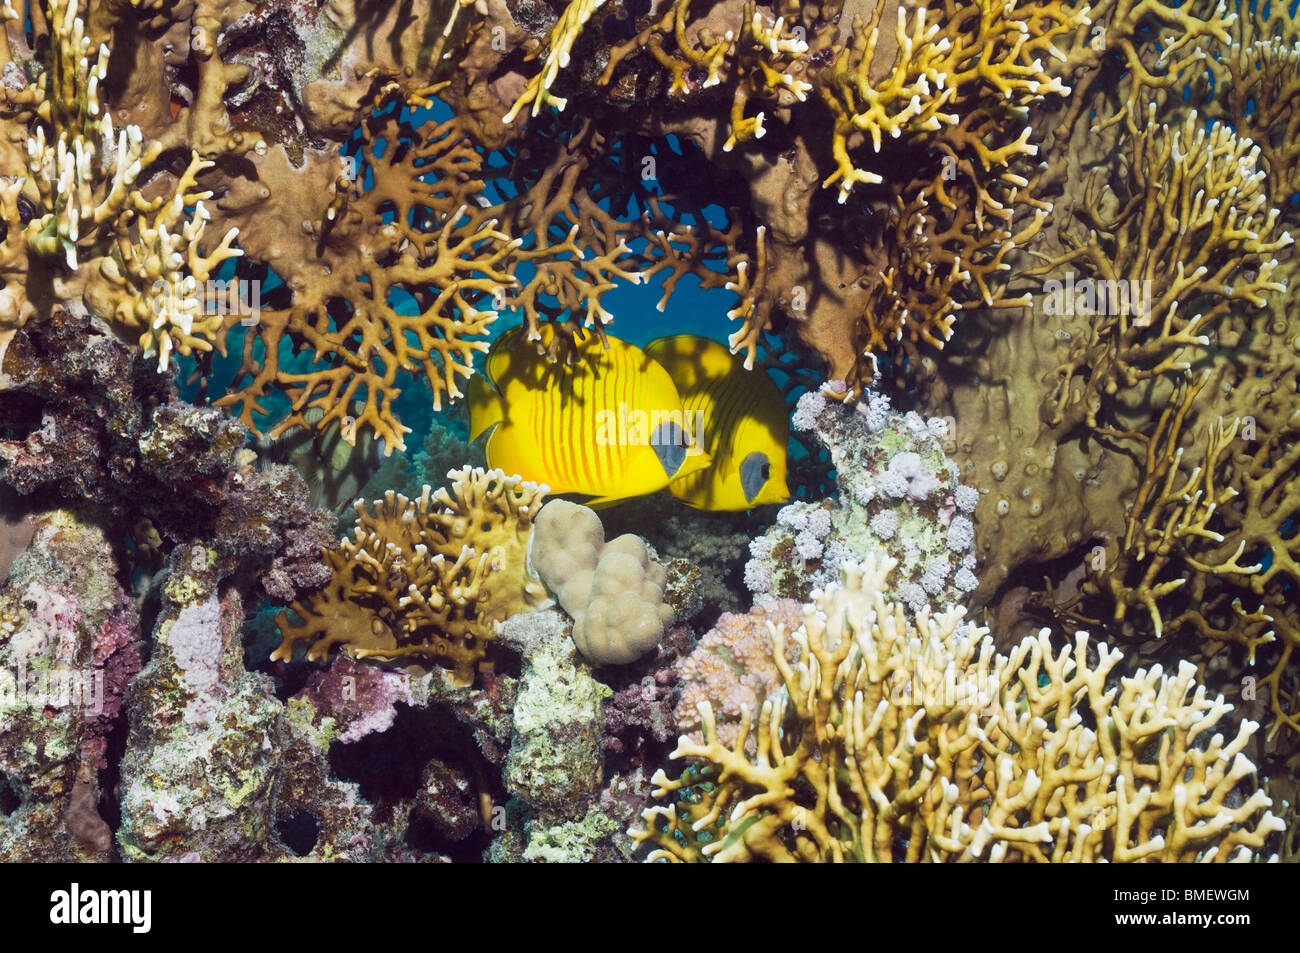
{"x":614,"y":591}
{"x":601,"y":424}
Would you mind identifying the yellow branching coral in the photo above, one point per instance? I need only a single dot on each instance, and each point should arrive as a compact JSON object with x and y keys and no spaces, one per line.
{"x":1191,"y":239}
{"x":901,"y":738}
{"x":156,"y":285}
{"x":758,"y":58}
{"x":994,"y":45}
{"x":135,"y":260}
{"x":1169,"y":533}
{"x":1257,"y":81}
{"x":952,"y":85}
{"x":1191,"y":229}
{"x":563,"y":35}
{"x":426,"y":579}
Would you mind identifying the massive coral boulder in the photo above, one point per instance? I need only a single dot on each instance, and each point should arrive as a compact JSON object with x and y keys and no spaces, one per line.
{"x":614,"y":590}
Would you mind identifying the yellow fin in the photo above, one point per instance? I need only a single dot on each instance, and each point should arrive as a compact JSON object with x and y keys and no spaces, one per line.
{"x":691,"y":359}
{"x":498,"y":358}
{"x":486,"y":409}
{"x":601,"y":502}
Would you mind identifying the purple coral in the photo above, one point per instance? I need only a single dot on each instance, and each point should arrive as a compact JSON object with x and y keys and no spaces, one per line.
{"x":914,"y":422}
{"x":758,"y":576}
{"x":807,"y":411}
{"x":362,"y":699}
{"x":875,"y":410}
{"x":914,"y":595}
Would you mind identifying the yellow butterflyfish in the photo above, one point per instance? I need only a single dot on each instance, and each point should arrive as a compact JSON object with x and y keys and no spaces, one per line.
{"x":609,"y":424}
{"x":746,"y":425}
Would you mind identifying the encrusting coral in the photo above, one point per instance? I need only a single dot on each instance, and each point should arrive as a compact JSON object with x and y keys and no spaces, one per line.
{"x":68,"y":648}
{"x":426,"y":579}
{"x":904,"y":737}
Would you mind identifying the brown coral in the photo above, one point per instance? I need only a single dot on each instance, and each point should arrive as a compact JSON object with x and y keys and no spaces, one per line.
{"x":426,"y":579}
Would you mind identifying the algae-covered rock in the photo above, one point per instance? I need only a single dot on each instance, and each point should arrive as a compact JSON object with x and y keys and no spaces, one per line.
{"x":68,"y":645}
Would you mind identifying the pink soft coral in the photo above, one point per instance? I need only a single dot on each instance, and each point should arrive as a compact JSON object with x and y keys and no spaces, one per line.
{"x":732,"y":668}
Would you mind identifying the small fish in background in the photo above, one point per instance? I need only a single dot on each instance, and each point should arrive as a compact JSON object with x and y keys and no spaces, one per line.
{"x":609,"y":424}
{"x":334,"y":468}
{"x":746,"y":425}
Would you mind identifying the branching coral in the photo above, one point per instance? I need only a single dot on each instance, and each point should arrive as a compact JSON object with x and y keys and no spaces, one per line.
{"x":1181,"y":254}
{"x":906,"y":738}
{"x":942,"y":89}
{"x":1259,"y":76}
{"x":1197,"y":200}
{"x":136,"y":261}
{"x":878,"y":90}
{"x":426,"y":578}
{"x":1170,"y":517}
{"x":409,"y":273}
{"x":893,"y":186}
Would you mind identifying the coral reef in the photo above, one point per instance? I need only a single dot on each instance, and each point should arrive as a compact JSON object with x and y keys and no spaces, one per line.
{"x":1043,"y":250}
{"x":913,"y":741}
{"x":87,"y":424}
{"x":554,"y":766}
{"x":216,"y":766}
{"x":88,"y":233}
{"x":1102,"y":415}
{"x":898,"y":494}
{"x":426,"y":578}
{"x":202,"y":756}
{"x":69,"y":645}
{"x":614,"y":590}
